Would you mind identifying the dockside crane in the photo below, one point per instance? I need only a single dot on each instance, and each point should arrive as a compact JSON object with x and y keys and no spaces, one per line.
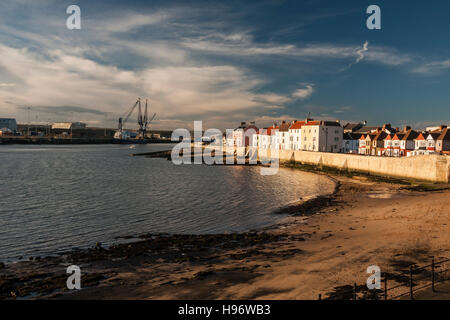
{"x":124,"y":119}
{"x":146,"y":122}
{"x":142,"y":121}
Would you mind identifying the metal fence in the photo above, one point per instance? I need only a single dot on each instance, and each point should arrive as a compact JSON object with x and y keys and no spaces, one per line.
{"x":404,"y":284}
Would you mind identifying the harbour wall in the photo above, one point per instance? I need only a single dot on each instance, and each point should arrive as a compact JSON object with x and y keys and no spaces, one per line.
{"x":435,"y":168}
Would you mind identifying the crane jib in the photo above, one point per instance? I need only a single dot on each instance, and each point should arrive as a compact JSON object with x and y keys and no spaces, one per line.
{"x":142,"y":120}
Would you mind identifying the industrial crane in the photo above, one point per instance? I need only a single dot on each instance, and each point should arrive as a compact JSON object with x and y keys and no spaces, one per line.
{"x":142,"y":121}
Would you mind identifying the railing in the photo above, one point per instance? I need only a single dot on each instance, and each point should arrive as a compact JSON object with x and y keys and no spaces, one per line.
{"x":418,"y":278}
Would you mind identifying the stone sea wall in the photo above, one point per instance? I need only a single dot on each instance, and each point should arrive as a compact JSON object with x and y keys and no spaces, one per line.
{"x":434,"y":168}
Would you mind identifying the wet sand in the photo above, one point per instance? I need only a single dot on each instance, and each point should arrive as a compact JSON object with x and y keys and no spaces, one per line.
{"x":322,"y":249}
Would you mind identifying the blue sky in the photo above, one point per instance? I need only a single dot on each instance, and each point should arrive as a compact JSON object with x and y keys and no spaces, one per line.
{"x":226,"y":62}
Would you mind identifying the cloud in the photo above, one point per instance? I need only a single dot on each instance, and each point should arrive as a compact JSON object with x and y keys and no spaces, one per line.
{"x":303,"y":93}
{"x":273,"y":99}
{"x":387,"y":56}
{"x":129,"y":21}
{"x":343,"y":109}
{"x":64,"y":110}
{"x":179,"y":57}
{"x":244,"y":46}
{"x":433,"y":67}
{"x":4,"y":84}
{"x":66,"y":84}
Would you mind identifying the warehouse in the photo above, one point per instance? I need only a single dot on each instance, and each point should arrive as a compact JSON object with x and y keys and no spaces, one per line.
{"x":68,"y":126}
{"x":8,"y":125}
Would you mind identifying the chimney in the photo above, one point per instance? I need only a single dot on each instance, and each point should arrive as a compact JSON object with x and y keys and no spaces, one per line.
{"x":406,"y":128}
{"x":443,"y":127}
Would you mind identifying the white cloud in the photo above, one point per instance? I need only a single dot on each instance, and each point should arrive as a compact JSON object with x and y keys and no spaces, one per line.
{"x":387,"y":56}
{"x":303,"y":93}
{"x":180,"y":66}
{"x":244,"y":46}
{"x":4,"y":84}
{"x":129,"y":21}
{"x":175,"y":92}
{"x":433,"y":67}
{"x":343,"y":109}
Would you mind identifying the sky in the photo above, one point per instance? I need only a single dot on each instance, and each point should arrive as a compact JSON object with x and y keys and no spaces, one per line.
{"x":224,"y":62}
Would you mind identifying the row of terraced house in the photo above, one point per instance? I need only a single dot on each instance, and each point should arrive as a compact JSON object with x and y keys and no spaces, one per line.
{"x":390,"y":142}
{"x":331,"y":136}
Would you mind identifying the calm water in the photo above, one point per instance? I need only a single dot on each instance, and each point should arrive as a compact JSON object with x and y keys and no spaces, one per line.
{"x":57,"y":197}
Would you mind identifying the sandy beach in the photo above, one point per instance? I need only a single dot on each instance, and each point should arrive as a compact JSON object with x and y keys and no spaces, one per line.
{"x":323,"y":249}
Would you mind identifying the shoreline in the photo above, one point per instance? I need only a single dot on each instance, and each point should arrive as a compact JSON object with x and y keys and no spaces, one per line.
{"x":174,"y":265}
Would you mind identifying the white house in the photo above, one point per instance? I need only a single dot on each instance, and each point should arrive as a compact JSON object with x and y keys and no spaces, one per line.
{"x":350,"y":142}
{"x":362,"y":144}
{"x":295,"y":134}
{"x":268,"y":140}
{"x":431,"y":141}
{"x":243,"y":135}
{"x":256,"y":139}
{"x":323,"y":136}
{"x":282,"y":136}
{"x":265,"y":138}
{"x":407,"y":144}
{"x":420,"y":143}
